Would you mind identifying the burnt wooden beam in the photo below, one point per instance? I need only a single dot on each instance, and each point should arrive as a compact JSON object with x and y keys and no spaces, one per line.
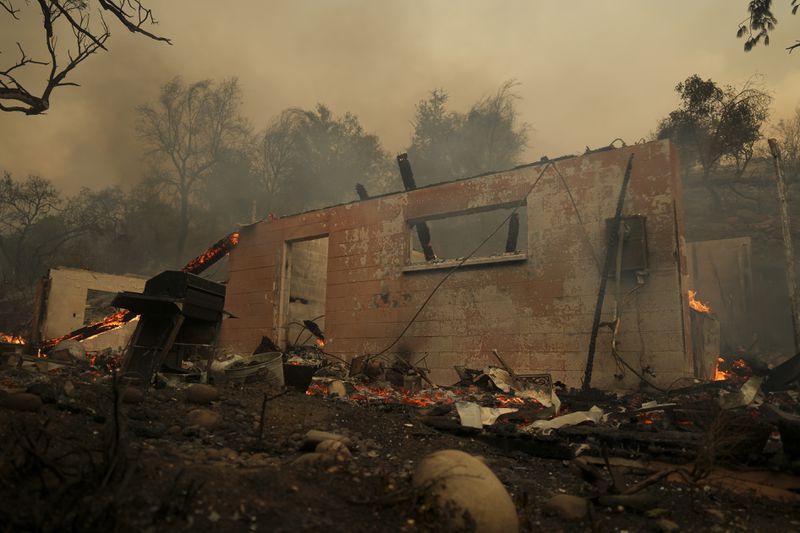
{"x":424,"y":235}
{"x":406,"y":173}
{"x":423,"y":231}
{"x":513,"y":233}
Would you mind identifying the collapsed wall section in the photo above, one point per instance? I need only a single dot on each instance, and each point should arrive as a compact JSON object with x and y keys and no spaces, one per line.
{"x":534,"y":304}
{"x":69,"y":298}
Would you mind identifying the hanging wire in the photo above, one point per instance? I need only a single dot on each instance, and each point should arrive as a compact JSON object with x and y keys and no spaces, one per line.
{"x":460,"y":264}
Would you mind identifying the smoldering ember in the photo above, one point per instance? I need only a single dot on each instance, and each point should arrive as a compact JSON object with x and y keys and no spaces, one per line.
{"x":295,"y":325}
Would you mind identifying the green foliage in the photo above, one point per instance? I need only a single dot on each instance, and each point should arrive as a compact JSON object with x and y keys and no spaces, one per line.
{"x":448,"y":144}
{"x":714,"y":124}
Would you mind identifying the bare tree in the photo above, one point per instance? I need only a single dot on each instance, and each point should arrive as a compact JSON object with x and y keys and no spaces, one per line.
{"x":788,"y":134}
{"x":187,"y":132}
{"x":59,"y":17}
{"x":274,"y":154}
{"x":36,"y":223}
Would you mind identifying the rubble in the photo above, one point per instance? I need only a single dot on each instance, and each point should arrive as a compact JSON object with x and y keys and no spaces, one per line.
{"x":375,"y":436}
{"x":202,"y":394}
{"x":567,"y":507}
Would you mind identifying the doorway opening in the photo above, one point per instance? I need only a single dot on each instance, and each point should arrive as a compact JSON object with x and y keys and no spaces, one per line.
{"x":304,"y":290}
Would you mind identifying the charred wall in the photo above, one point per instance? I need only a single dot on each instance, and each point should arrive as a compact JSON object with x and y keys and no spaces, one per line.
{"x":534,"y":306}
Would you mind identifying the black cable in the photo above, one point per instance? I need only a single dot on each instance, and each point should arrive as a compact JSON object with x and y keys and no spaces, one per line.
{"x":585,"y":236}
{"x":460,"y":264}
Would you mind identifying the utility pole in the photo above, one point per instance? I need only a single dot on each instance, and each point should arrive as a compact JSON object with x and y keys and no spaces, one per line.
{"x":788,"y":252}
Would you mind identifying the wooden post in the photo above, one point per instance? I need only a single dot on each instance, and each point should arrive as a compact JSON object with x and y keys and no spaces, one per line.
{"x":788,"y":252}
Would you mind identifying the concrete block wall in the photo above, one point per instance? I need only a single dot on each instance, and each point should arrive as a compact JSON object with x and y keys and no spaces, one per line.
{"x":537,"y":312}
{"x":66,"y":297}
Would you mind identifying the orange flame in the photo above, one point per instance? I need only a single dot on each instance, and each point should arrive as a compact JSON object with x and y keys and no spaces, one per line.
{"x":738,"y":369}
{"x":509,"y":401}
{"x":11,"y":339}
{"x":696,"y":304}
{"x":217,"y":250}
{"x":110,"y":322}
{"x":122,"y":317}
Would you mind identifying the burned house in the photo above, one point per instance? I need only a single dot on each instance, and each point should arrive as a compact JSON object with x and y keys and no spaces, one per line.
{"x":363,"y":272}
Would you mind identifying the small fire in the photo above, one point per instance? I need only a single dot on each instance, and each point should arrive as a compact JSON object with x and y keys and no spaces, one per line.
{"x":11,"y":339}
{"x":738,"y":369}
{"x":696,"y":304}
{"x":321,"y":343}
{"x":110,"y":322}
{"x":509,"y":401}
{"x":217,"y":250}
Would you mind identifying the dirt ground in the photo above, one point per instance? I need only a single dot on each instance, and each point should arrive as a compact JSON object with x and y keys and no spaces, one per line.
{"x":77,"y":464}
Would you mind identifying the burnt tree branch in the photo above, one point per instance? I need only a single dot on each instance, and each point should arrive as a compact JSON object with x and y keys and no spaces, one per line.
{"x":58,"y":15}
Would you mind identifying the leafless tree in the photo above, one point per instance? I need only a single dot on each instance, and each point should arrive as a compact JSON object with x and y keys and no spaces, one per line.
{"x":788,"y":134}
{"x":60,"y":17}
{"x":187,"y":132}
{"x":274,"y":153}
{"x":36,"y":222}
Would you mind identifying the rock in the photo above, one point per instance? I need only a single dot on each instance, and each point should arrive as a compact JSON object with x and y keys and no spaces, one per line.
{"x":203,"y":418}
{"x":132,"y":395}
{"x":229,"y":454}
{"x":335,"y":448}
{"x":337,"y":388}
{"x":68,"y":350}
{"x":567,"y":507}
{"x":213,"y":454}
{"x":260,"y":460}
{"x":332,"y":446}
{"x":199,"y":393}
{"x":314,"y":437}
{"x":459,"y":482}
{"x":22,"y":401}
{"x":69,"y":388}
{"x":667,"y":526}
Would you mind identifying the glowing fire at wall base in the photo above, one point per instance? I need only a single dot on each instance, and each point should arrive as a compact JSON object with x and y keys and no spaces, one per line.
{"x":197,"y":265}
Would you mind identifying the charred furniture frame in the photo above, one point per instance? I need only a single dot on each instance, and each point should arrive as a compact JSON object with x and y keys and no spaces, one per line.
{"x":180,"y":315}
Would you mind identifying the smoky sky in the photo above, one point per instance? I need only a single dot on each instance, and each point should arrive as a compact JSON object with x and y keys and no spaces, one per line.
{"x":588,"y":71}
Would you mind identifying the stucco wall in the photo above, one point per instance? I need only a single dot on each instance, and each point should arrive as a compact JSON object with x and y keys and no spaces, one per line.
{"x":66,"y":298}
{"x":537,"y":312}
